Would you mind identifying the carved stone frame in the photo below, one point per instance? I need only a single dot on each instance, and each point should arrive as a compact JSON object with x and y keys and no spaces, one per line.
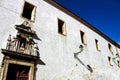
{"x":6,"y":63}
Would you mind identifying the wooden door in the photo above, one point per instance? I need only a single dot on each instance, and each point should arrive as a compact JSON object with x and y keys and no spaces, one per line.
{"x":18,"y":72}
{"x":23,"y":75}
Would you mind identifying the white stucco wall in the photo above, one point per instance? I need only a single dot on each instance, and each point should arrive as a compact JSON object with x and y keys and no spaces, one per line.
{"x":57,"y":51}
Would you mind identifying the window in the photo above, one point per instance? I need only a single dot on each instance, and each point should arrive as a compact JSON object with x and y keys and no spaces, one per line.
{"x":83,"y":37}
{"x":116,"y":50}
{"x":61,"y":27}
{"x":29,"y":11}
{"x":110,"y":48}
{"x":97,"y":45}
{"x":110,"y":61}
{"x":118,"y":63}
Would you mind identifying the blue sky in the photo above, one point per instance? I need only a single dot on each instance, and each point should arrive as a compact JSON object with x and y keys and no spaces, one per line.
{"x":102,"y":14}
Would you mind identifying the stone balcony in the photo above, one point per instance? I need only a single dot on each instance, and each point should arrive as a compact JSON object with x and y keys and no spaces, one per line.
{"x":16,"y":49}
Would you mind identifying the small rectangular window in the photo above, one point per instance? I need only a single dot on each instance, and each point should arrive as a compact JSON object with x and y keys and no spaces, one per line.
{"x":110,"y":61}
{"x":97,"y":45}
{"x":61,"y":27}
{"x":116,"y":50}
{"x":29,"y":11}
{"x":118,"y":63}
{"x":83,"y":37}
{"x":110,"y":48}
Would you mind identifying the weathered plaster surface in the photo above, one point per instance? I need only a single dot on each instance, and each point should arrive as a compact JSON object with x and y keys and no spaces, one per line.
{"x":57,"y":51}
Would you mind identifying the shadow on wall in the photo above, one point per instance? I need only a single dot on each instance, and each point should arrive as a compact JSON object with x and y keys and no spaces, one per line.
{"x":88,"y":67}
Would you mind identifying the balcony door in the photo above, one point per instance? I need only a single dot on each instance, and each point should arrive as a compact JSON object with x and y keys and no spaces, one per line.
{"x":18,"y":72}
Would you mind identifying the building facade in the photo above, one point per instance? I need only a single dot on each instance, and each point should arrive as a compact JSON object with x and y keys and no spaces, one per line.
{"x":41,"y":40}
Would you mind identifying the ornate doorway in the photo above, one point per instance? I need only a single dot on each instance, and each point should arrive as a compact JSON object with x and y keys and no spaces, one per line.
{"x":21,"y":55}
{"x":18,"y":72}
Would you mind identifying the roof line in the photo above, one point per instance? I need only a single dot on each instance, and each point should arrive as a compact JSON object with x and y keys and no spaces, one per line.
{"x":60,"y":7}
